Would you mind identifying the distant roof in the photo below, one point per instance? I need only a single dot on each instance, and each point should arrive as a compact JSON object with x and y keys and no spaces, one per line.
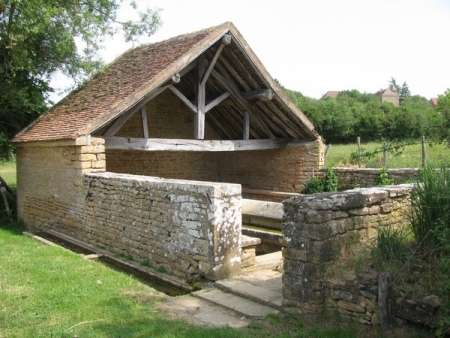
{"x":391,"y":91}
{"x":433,"y":101}
{"x":331,"y":93}
{"x":140,"y":71}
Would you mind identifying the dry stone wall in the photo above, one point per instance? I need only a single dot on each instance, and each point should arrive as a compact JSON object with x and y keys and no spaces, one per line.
{"x":350,"y":178}
{"x":319,"y":231}
{"x":187,"y":228}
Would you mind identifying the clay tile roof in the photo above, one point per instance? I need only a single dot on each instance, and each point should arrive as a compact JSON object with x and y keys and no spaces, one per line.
{"x":105,"y":91}
{"x":135,"y":74}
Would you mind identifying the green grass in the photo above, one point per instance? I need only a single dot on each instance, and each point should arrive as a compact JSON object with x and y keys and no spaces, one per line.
{"x":411,"y":156}
{"x":51,"y":292}
{"x":8,"y":172}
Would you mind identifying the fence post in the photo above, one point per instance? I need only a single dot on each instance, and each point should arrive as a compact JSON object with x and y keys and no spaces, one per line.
{"x":358,"y":141}
{"x":384,"y":155}
{"x":424,"y":152}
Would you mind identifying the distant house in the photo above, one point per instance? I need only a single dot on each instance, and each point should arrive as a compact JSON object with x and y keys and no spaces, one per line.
{"x":389,"y":95}
{"x":433,"y":102}
{"x":331,"y":93}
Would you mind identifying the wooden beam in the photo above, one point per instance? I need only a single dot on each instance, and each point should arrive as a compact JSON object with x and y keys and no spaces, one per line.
{"x":122,"y":119}
{"x":156,"y":144}
{"x":216,"y":101}
{"x":183,"y":98}
{"x":246,"y":126}
{"x":236,"y":94}
{"x":199,"y":127}
{"x":226,"y":40}
{"x":144,"y":122}
{"x":258,"y":95}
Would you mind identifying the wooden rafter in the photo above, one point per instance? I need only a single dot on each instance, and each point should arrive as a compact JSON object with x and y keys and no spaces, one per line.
{"x":117,"y":124}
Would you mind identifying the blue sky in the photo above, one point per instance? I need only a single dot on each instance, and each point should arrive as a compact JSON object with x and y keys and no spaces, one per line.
{"x":313,"y":46}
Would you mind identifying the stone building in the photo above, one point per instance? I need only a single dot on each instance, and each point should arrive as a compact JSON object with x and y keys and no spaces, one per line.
{"x":197,"y":117}
{"x":389,"y":95}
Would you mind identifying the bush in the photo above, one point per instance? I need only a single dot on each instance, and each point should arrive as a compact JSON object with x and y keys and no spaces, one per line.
{"x":383,"y":178}
{"x":313,"y":186}
{"x":328,"y":183}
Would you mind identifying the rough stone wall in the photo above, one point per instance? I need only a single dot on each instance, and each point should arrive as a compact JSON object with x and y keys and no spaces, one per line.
{"x":188,"y":228}
{"x":49,"y":181}
{"x":319,"y":230}
{"x":285,"y":170}
{"x":350,"y":178}
{"x":183,"y":165}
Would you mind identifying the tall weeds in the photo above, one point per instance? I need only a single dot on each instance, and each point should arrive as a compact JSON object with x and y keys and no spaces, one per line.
{"x":430,"y":208}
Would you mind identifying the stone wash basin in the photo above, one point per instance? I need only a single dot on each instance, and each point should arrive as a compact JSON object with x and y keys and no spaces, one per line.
{"x":262,"y":219}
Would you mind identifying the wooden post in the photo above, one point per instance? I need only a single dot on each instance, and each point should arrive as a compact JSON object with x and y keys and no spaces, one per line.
{"x":384,"y":155}
{"x":327,"y":150}
{"x":358,"y":141}
{"x":424,"y":152}
{"x":199,"y":132}
{"x":246,"y":126}
{"x":5,"y":201}
{"x":144,"y":122}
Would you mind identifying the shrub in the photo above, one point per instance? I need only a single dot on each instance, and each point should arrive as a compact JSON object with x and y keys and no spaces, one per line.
{"x":314,"y":185}
{"x":328,"y":183}
{"x":331,"y":180}
{"x":383,"y":178}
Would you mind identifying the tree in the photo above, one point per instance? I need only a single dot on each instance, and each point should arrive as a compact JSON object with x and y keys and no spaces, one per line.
{"x":41,"y":37}
{"x":403,"y":90}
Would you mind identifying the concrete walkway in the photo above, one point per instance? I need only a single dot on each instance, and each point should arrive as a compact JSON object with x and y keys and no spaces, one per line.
{"x":235,"y":301}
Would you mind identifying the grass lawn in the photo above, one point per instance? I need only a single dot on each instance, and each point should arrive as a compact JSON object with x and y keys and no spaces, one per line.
{"x":51,"y":292}
{"x":8,"y":172}
{"x":411,"y":156}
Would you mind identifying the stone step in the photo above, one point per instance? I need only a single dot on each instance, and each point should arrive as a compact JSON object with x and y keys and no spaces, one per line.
{"x":242,"y":306}
{"x":263,"y":286}
{"x":271,"y":261}
{"x":202,"y":312}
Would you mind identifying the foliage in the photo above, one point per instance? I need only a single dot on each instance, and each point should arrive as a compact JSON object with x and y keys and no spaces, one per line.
{"x":331,"y":180}
{"x":314,"y":185}
{"x":403,"y":90}
{"x":383,"y":178}
{"x":40,"y":37}
{"x":430,"y":208}
{"x":354,"y":114}
{"x":391,"y":245}
{"x":327,"y":184}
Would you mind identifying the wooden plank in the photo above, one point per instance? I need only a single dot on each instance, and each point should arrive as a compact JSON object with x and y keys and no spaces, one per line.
{"x":183,"y":98}
{"x":155,"y":144}
{"x":216,"y":101}
{"x":122,"y":119}
{"x":144,"y":122}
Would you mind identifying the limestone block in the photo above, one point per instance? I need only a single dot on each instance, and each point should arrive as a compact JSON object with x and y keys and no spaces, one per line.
{"x":352,"y":307}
